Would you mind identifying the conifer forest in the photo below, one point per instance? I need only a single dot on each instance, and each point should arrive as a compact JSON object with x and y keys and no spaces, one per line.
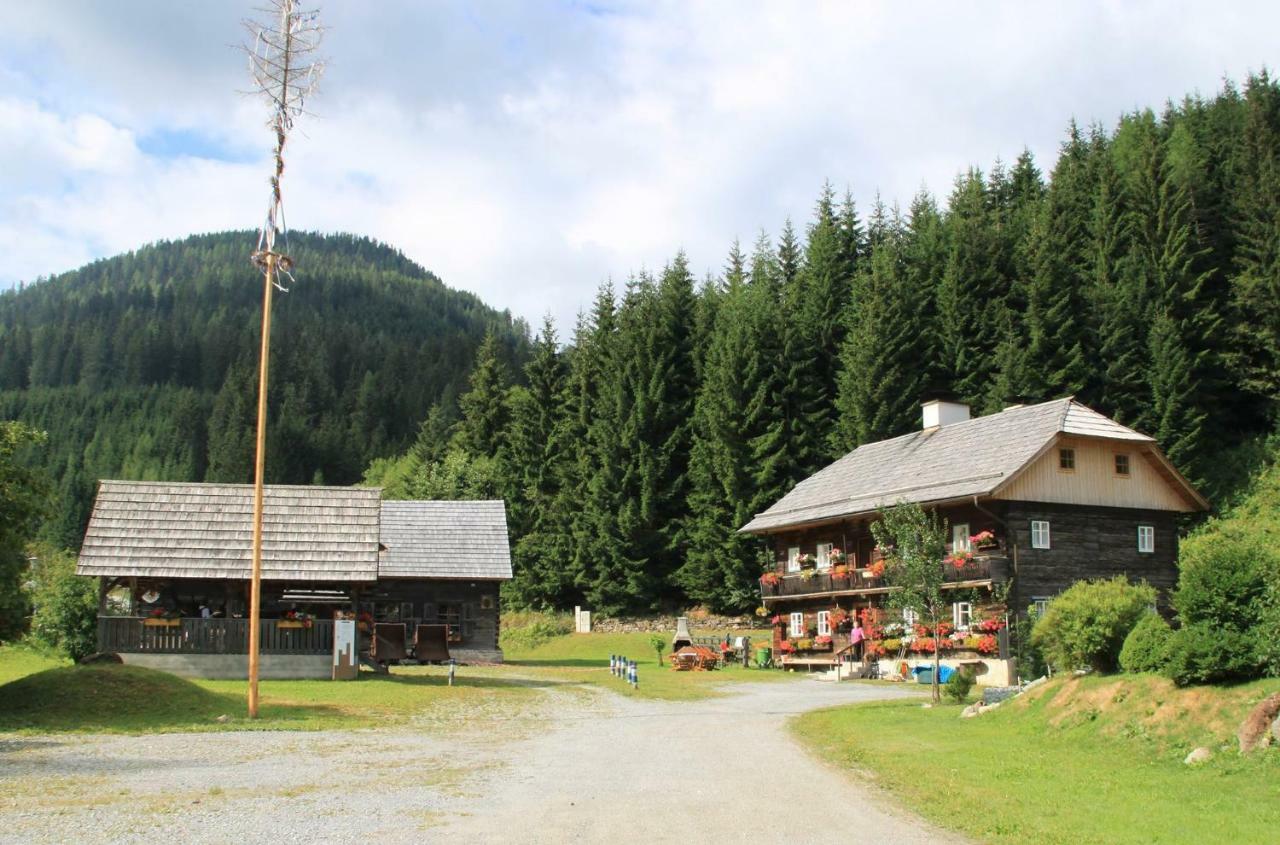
{"x":1139,"y":271}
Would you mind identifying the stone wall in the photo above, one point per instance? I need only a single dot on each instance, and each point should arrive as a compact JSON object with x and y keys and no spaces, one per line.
{"x":700,"y":624}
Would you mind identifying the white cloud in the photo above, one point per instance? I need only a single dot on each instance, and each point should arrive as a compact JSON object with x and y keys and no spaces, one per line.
{"x":528,"y":152}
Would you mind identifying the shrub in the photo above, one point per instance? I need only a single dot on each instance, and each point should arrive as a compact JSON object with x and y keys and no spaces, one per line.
{"x":1086,"y":626}
{"x":529,"y":629}
{"x":1222,"y":578}
{"x":1146,"y":648}
{"x":1204,"y":654}
{"x":66,"y":605}
{"x":958,"y":686}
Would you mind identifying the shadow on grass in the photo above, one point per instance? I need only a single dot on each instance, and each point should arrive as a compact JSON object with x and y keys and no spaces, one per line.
{"x":563,"y":662}
{"x":463,"y":679}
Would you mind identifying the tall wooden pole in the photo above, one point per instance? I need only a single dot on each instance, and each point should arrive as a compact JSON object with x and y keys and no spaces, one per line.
{"x":255,"y":584}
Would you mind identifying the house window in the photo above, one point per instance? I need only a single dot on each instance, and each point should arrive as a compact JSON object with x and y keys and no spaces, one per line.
{"x":908,"y":617}
{"x":486,"y":602}
{"x":824,"y":623}
{"x":1067,"y":460}
{"x":1040,"y":604}
{"x":1122,"y":465}
{"x":1039,"y":534}
{"x":962,"y":614}
{"x":797,"y":625}
{"x":1146,"y":539}
{"x":824,"y":555}
{"x":793,"y":559}
{"x":960,"y":537}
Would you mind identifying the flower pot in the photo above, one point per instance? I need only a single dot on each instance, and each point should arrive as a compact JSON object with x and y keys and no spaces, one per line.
{"x":291,"y":623}
{"x":159,"y":622}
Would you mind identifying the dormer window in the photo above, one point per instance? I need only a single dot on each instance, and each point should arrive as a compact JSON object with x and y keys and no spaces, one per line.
{"x":1067,"y":460}
{"x":1122,"y":465}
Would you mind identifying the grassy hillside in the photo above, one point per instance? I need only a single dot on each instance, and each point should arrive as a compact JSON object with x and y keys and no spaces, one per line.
{"x":1083,"y":760}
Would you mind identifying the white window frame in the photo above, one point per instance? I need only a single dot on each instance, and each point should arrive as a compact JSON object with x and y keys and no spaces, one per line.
{"x":908,"y":617}
{"x":797,"y":625}
{"x":962,"y":615}
{"x":793,"y":559}
{"x":824,"y":623}
{"x":822,"y":554}
{"x":1040,"y":534}
{"x":1146,"y":533}
{"x":1041,"y":604}
{"x":960,"y":538}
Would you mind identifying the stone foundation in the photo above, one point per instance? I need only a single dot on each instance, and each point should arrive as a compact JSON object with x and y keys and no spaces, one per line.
{"x":235,"y":667}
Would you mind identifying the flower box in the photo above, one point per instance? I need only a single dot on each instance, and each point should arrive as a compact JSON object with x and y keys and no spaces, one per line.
{"x":161,"y":622}
{"x":291,"y":623}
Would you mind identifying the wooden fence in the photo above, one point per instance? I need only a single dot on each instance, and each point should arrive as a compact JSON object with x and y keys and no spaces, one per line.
{"x":131,"y":634}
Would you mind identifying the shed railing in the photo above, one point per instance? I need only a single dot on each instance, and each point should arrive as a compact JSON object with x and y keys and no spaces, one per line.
{"x":141,"y":635}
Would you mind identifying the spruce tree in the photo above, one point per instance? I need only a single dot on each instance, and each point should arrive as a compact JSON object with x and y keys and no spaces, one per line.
{"x":482,"y":427}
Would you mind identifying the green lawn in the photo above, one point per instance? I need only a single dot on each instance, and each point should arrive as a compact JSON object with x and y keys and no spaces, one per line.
{"x":584,"y":658}
{"x":39,"y":694}
{"x":1091,"y":760}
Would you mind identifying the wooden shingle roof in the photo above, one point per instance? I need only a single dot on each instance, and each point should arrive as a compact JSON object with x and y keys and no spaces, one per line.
{"x":944,"y":463}
{"x":159,"y":529}
{"x":439,"y":539}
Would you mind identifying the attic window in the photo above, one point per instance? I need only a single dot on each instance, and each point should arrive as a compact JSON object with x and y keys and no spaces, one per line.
{"x":1067,"y":460}
{"x":1122,"y":465}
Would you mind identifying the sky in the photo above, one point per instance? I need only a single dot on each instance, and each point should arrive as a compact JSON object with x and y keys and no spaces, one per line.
{"x":530,"y":151}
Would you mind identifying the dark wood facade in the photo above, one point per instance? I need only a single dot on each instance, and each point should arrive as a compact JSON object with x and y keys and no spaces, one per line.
{"x":1086,"y":542}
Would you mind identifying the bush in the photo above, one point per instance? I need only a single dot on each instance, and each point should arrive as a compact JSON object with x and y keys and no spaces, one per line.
{"x":1204,"y":654}
{"x":523,"y":631}
{"x":1086,"y":626}
{"x":1222,"y":578}
{"x":1147,"y":646}
{"x":66,"y":605}
{"x":958,"y":686}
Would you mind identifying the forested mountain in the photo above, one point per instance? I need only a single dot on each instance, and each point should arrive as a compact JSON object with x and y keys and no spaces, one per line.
{"x":1142,"y":275}
{"x":145,"y":365}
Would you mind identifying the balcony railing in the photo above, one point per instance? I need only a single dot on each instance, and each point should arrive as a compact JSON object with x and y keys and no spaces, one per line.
{"x":132,"y":634}
{"x":994,"y":568}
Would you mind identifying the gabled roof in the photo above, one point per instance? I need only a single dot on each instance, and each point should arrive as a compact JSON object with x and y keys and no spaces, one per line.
{"x":166,"y":529}
{"x":955,"y":461}
{"x":437,"y":539}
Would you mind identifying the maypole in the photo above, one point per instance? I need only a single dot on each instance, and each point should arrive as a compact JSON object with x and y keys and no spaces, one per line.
{"x":285,"y":71}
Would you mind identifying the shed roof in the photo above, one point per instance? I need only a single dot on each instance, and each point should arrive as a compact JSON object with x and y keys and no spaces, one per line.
{"x":438,"y":539}
{"x":943,"y":463}
{"x":166,"y":529}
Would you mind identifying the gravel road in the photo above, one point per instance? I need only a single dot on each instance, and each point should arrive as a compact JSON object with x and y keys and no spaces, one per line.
{"x":581,"y":766}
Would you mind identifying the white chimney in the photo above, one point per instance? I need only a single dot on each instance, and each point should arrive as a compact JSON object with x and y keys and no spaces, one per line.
{"x":936,"y":412}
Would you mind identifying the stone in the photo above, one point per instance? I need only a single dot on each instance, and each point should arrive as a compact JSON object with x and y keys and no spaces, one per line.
{"x":223,"y":719}
{"x":1275,"y":730}
{"x":972,"y":710}
{"x":1199,"y":755}
{"x":1256,"y":730}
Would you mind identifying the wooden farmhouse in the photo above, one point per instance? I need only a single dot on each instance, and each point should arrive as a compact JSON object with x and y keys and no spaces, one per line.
{"x":1036,"y":497}
{"x":173,"y":563}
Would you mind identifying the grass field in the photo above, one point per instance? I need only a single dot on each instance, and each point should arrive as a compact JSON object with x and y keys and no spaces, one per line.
{"x":42,"y":694}
{"x":1088,"y":760}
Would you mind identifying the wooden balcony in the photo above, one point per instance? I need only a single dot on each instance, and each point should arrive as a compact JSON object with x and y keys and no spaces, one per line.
{"x":139,"y":635}
{"x":982,"y":571}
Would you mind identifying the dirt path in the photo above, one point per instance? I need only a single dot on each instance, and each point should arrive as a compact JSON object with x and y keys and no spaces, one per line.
{"x":583,"y":766}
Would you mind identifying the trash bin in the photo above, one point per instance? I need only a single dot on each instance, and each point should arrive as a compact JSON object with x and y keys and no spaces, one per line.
{"x":924,"y":674}
{"x":763,"y":655}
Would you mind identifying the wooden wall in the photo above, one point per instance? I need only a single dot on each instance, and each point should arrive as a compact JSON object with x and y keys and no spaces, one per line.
{"x":1094,"y":481}
{"x":477,"y":602}
{"x":1086,"y":543}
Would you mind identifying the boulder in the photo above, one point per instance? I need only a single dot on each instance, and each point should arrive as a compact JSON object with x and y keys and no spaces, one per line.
{"x":1275,"y":730}
{"x":1256,"y":730}
{"x":1199,"y":755}
{"x":972,"y":710}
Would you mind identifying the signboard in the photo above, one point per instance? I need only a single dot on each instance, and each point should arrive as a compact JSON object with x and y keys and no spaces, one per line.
{"x":346,"y":660}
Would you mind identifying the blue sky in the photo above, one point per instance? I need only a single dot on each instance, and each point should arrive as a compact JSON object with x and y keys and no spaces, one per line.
{"x":529,"y":151}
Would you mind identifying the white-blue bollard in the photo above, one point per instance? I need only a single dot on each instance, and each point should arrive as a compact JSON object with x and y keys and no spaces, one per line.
{"x":613,"y":664}
{"x":635,"y":679}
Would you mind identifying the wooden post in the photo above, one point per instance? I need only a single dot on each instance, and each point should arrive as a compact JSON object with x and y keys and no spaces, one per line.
{"x":255,"y":583}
